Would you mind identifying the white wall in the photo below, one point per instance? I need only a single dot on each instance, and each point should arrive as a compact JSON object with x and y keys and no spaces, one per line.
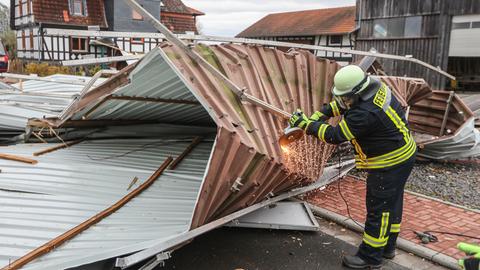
{"x":323,"y":41}
{"x":26,"y":17}
{"x":465,"y":42}
{"x":30,"y":51}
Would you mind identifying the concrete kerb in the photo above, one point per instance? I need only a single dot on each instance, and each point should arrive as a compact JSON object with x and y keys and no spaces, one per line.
{"x":402,"y":244}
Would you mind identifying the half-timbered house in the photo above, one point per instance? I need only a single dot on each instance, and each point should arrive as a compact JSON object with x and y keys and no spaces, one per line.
{"x":47,"y":30}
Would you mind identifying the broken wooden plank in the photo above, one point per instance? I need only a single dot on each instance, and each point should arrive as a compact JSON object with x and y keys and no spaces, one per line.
{"x":18,"y":158}
{"x":56,"y":242}
{"x":57,"y":147}
{"x":187,"y":151}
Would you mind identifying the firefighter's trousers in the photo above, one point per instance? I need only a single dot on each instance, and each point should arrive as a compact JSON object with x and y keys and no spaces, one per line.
{"x":384,"y":200}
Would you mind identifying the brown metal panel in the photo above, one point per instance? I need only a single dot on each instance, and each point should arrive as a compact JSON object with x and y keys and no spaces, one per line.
{"x":426,"y":116}
{"x":408,"y":90}
{"x":286,"y":80}
{"x":247,"y":149}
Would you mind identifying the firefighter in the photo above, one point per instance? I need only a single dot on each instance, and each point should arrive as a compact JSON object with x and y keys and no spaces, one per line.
{"x":374,"y":123}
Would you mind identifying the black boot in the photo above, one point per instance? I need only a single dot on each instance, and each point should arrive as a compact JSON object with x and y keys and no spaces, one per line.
{"x":355,"y":262}
{"x":389,"y":254}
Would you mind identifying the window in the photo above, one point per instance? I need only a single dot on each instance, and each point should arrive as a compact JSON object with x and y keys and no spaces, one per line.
{"x":398,"y":27}
{"x":137,"y":40}
{"x":31,"y":40}
{"x":413,"y":26}
{"x":29,"y":7}
{"x":475,"y":24}
{"x":461,"y":25}
{"x":78,"y":44}
{"x":78,"y":7}
{"x":336,"y":40}
{"x":380,"y":28}
{"x":136,"y":16}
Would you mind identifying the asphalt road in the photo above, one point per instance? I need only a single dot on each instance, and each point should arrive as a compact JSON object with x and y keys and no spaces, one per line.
{"x":257,"y":249}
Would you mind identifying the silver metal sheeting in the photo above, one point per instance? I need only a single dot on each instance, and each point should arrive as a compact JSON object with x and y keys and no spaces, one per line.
{"x":465,"y":143}
{"x":37,"y":99}
{"x":154,"y":78}
{"x":40,"y":202}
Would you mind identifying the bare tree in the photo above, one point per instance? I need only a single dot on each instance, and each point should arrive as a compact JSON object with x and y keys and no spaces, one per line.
{"x":199,"y":27}
{"x":4,"y":18}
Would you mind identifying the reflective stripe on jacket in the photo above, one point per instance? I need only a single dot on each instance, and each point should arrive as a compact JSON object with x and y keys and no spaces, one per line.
{"x":376,"y":127}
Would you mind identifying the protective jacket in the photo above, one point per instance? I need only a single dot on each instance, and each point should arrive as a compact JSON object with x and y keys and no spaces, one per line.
{"x":375,"y":125}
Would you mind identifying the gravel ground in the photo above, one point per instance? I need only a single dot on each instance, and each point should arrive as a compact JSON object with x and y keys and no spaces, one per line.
{"x":456,"y":183}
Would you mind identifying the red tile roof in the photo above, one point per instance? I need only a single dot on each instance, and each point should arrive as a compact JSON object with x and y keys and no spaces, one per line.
{"x":177,"y":6}
{"x":304,"y":23}
{"x":57,"y":12}
{"x":179,"y":23}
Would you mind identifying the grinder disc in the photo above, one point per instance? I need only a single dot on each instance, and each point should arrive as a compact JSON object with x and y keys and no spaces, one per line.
{"x":290,"y":135}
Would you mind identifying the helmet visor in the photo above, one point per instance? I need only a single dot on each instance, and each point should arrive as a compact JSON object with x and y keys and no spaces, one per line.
{"x":341,"y":101}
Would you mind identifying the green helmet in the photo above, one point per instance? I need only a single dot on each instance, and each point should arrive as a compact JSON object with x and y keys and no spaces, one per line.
{"x":350,"y":79}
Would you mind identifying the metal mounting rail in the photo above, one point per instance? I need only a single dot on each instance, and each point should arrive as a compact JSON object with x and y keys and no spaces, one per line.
{"x":87,"y":88}
{"x":239,"y":40}
{"x":37,"y":78}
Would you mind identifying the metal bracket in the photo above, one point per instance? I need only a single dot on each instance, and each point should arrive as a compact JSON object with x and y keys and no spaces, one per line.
{"x":237,"y":185}
{"x":159,"y":260}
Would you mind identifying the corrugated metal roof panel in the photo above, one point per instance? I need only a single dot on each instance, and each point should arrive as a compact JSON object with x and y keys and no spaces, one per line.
{"x":38,"y":99}
{"x":459,"y":138}
{"x":153,"y":78}
{"x":68,"y":186}
{"x":248,"y":149}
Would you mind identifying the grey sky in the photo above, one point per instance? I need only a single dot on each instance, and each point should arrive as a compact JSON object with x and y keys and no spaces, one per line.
{"x":5,"y":2}
{"x":230,"y":17}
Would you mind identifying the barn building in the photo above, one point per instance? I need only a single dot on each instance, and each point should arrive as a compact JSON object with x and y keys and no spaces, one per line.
{"x":332,"y":27}
{"x":443,"y":33}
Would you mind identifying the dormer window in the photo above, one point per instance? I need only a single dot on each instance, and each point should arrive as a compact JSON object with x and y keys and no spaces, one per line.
{"x":78,"y":7}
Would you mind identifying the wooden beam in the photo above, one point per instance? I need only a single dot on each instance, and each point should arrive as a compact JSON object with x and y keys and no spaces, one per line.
{"x":56,"y":242}
{"x":57,"y":147}
{"x":18,"y":158}
{"x":158,"y":100}
{"x":195,"y":142}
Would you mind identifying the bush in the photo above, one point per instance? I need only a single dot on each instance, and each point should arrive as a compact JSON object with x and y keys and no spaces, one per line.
{"x":44,"y":69}
{"x":10,"y":41}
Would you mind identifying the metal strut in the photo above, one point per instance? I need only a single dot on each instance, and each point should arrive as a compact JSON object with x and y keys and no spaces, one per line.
{"x":240,"y":92}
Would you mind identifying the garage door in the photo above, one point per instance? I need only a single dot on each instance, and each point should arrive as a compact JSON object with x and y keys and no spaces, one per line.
{"x":465,"y":36}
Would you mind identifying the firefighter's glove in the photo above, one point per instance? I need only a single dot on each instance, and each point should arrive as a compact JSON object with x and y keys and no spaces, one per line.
{"x":299,"y":119}
{"x":318,"y":116}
